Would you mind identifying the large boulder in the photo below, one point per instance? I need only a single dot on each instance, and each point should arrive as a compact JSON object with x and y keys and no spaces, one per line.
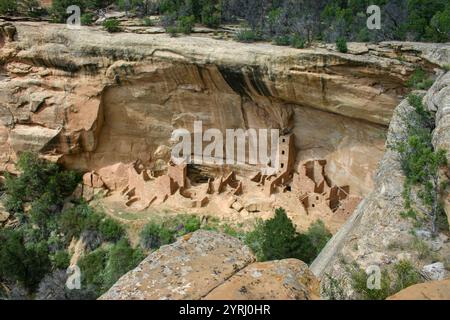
{"x":188,"y":269}
{"x":435,"y":290}
{"x":288,"y":279}
{"x":209,"y":265}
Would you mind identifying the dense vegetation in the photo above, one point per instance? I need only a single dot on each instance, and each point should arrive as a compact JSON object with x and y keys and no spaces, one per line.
{"x":34,"y":255}
{"x":286,"y":22}
{"x":327,"y":20}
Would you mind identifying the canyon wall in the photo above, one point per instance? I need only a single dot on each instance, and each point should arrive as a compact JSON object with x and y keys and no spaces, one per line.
{"x":88,"y":99}
{"x":377,"y":234}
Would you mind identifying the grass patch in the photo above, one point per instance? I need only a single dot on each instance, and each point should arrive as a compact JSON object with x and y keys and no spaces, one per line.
{"x":247,"y":35}
{"x":419,"y":80}
{"x":403,"y":275}
{"x":111,"y":25}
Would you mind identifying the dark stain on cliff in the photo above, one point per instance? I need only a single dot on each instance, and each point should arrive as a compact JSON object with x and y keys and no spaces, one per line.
{"x":256,"y":79}
{"x":236,"y":79}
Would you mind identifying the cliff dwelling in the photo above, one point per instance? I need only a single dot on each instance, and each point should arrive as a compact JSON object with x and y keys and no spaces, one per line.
{"x":210,"y":149}
{"x":234,"y":194}
{"x":119,"y":133}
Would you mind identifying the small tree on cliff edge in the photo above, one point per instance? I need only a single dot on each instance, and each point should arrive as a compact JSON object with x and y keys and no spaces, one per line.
{"x":277,"y":239}
{"x":279,"y":233}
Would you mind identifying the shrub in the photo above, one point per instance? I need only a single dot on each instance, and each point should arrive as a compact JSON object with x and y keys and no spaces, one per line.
{"x":439,"y":28}
{"x":405,"y":275}
{"x":38,"y":177}
{"x":318,"y":236}
{"x":77,"y":219}
{"x":27,"y":264}
{"x":211,"y":16}
{"x":172,"y":31}
{"x":279,"y":234}
{"x":154,"y":236}
{"x":147,"y":22}
{"x":8,"y":6}
{"x":359,"y":284}
{"x":185,"y":24}
{"x":283,"y":40}
{"x":191,"y":224}
{"x":92,"y":268}
{"x":277,"y":239}
{"x":60,"y":260}
{"x":419,"y":80}
{"x":42,"y":213}
{"x":421,"y":247}
{"x":298,"y":42}
{"x":247,"y":35}
{"x":111,"y":25}
{"x":111,"y":230}
{"x":122,"y":258}
{"x":420,"y":162}
{"x":255,"y":238}
{"x":87,"y":19}
{"x":341,"y":45}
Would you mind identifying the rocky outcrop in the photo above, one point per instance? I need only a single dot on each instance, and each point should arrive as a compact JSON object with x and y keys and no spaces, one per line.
{"x":90,"y":99}
{"x":438,"y":100}
{"x":288,"y":279}
{"x":209,"y":265}
{"x":435,"y":290}
{"x":377,"y":234}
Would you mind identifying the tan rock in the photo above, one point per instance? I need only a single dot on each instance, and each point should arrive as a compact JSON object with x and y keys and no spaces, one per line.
{"x":31,"y":138}
{"x":258,"y":204}
{"x":162,"y":152}
{"x":377,"y":223}
{"x":3,"y":215}
{"x":187,"y":269}
{"x":92,"y":179}
{"x":208,"y":265}
{"x":237,"y":205}
{"x":337,"y":105}
{"x":288,"y":279}
{"x":435,"y":290}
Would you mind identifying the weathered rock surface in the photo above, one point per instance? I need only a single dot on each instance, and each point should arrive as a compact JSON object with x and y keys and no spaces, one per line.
{"x":377,"y":234}
{"x":187,"y":269}
{"x":288,"y":279}
{"x":209,"y":265}
{"x":92,"y":99}
{"x":435,"y":290}
{"x":435,"y":271}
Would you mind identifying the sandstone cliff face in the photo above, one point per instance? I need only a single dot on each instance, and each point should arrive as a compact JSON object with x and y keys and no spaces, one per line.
{"x":90,"y":99}
{"x":377,"y":234}
{"x":208,"y":265}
